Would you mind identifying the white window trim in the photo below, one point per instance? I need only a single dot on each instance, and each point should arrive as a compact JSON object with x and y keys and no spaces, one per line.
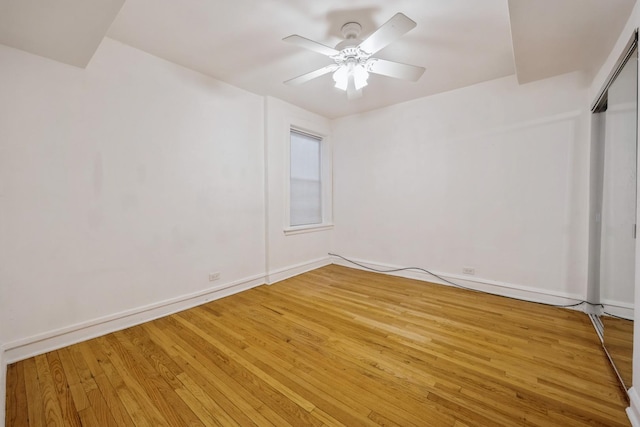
{"x":326,"y":170}
{"x":301,"y":229}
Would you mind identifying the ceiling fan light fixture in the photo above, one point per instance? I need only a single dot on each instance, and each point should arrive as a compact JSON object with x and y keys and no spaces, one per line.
{"x":351,"y":74}
{"x":341,"y":77}
{"x":352,"y":57}
{"x":360,"y":76}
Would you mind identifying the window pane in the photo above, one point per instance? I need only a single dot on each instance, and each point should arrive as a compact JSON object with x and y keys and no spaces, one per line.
{"x":306,"y":192}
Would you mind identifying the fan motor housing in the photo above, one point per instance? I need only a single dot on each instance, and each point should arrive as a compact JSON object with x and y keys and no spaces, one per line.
{"x":350,"y":32}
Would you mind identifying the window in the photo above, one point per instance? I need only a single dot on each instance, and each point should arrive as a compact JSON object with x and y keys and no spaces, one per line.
{"x":305,"y":179}
{"x":309,"y":182}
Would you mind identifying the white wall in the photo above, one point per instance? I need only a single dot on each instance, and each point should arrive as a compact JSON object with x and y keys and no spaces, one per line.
{"x":122,"y":186}
{"x":492,"y":177}
{"x":288,"y":255}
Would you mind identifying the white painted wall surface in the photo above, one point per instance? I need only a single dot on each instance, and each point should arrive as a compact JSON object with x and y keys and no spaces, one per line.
{"x":121,"y":186}
{"x":288,"y":255}
{"x":492,"y":177}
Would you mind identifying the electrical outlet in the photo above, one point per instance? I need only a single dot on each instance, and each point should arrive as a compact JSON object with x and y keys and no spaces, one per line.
{"x":214,"y":276}
{"x":468,"y":270}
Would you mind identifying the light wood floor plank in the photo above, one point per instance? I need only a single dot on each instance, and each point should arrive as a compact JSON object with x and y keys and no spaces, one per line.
{"x":217,"y":404}
{"x":227,"y":375}
{"x":35,"y":406}
{"x":356,"y":385}
{"x":67,"y":406}
{"x":76,"y":389}
{"x":175,"y":410}
{"x":15,"y":415}
{"x":88,"y":418}
{"x":194,"y":360}
{"x":129,"y":383}
{"x":52,"y":408}
{"x":334,"y":346}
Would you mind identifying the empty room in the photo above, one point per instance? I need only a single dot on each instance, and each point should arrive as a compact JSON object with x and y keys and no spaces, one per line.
{"x":296,"y":213}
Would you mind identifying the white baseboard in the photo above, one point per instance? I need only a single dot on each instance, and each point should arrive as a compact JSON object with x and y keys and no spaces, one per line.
{"x":485,"y":285}
{"x":633,"y":411}
{"x":53,"y":340}
{"x":617,"y":308}
{"x":294,"y":270}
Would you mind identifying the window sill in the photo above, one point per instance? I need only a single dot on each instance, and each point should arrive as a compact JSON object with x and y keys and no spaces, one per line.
{"x":307,"y":229}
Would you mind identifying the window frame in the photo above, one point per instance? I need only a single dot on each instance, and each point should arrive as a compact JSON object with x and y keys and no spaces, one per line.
{"x":326,"y":177}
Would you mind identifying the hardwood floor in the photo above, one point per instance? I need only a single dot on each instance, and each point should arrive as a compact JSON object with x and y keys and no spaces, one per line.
{"x":618,"y":338}
{"x":332,"y":347}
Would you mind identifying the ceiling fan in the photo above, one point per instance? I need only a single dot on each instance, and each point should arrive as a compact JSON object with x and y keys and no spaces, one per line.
{"x":353,"y":59}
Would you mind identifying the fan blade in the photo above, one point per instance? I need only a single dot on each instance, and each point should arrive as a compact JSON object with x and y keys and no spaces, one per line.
{"x":394,"y":69}
{"x":311,"y":45}
{"x":388,"y":32}
{"x":312,"y":75}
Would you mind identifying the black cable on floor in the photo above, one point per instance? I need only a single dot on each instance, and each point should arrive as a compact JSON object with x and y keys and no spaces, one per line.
{"x":461,"y":286}
{"x":613,"y":315}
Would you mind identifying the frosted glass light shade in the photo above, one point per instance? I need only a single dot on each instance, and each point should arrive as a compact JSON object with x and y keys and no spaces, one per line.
{"x":345,"y":75}
{"x":360,"y":76}
{"x":341,"y":77}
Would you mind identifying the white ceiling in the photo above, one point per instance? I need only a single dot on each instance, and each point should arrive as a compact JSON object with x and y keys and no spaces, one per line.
{"x":68,"y":31}
{"x":552,"y":37}
{"x":459,"y":42}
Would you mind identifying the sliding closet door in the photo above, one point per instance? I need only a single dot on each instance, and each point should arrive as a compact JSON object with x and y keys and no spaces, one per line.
{"x":617,"y":262}
{"x":619,"y":190}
